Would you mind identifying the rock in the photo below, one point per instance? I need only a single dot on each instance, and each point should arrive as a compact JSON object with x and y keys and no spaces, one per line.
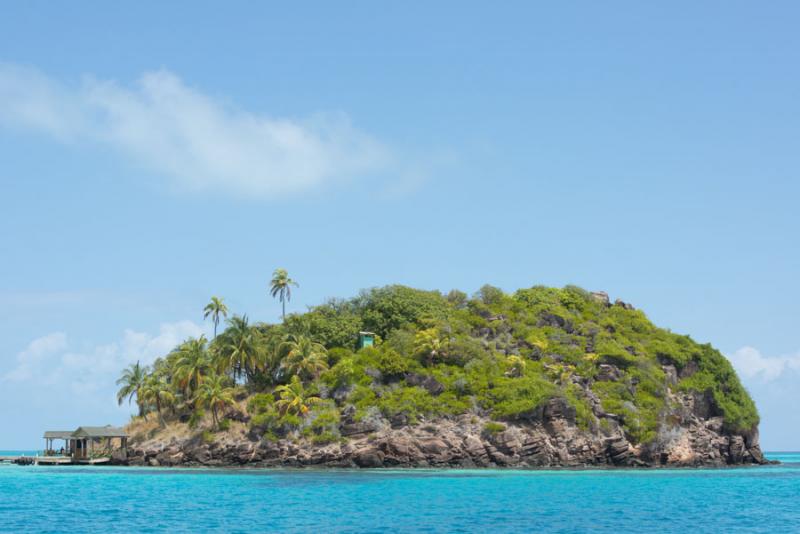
{"x":473,"y":446}
{"x":607,"y":373}
{"x":432,"y":447}
{"x":508,"y":442}
{"x":690,"y":433}
{"x":369,"y":458}
{"x":601,"y":297}
{"x":374,"y":374}
{"x":623,"y":304}
{"x":559,"y":408}
{"x":551,"y":319}
{"x":671,"y":374}
{"x":689,"y":369}
{"x":619,"y":451}
{"x":119,"y":457}
{"x":430,"y":384}
{"x":399,"y":420}
{"x":736,"y":450}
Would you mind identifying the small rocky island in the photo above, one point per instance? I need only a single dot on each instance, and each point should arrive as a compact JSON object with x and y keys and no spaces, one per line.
{"x":400,"y":377}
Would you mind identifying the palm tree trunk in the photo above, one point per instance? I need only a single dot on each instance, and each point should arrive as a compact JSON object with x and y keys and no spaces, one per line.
{"x":158,"y":409}
{"x":214,"y":413}
{"x":283,"y":305}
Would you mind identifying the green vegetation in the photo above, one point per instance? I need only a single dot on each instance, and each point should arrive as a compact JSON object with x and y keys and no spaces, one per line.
{"x":281,"y":286}
{"x":498,"y":355}
{"x":215,"y":309}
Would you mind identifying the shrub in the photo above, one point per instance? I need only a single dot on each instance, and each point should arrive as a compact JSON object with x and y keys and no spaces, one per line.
{"x":391,"y":364}
{"x":490,"y":295}
{"x":391,"y":307}
{"x":511,"y":398}
{"x":409,"y":401}
{"x":341,"y":375}
{"x":196,"y":417}
{"x":493,"y":427}
{"x":333,"y":324}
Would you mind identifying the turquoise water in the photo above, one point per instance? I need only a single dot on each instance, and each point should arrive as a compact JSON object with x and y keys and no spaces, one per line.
{"x":72,"y":499}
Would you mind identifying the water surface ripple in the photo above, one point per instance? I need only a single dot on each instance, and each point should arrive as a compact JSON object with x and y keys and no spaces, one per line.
{"x":73,"y":499}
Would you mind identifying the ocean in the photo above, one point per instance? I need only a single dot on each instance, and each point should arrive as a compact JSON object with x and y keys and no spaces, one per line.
{"x":110,"y":499}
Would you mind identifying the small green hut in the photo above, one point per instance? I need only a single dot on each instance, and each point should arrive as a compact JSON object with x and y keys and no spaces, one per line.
{"x":366,"y":339}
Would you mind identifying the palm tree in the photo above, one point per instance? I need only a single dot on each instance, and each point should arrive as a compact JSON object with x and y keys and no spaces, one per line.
{"x":215,"y":309}
{"x":157,"y":391}
{"x":304,"y":357}
{"x":239,"y":347}
{"x":132,"y":380}
{"x":430,"y":344}
{"x":281,"y":286}
{"x":214,"y":393}
{"x":192,"y":364}
{"x":295,"y":399}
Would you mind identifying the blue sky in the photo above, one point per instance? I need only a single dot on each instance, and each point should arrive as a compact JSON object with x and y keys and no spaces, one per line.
{"x":157,"y":155}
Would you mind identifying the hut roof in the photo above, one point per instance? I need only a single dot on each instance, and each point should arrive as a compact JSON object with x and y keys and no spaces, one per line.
{"x":99,"y":432}
{"x":58,"y":434}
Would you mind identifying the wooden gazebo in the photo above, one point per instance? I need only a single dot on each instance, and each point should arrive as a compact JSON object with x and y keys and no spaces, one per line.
{"x":86,"y":443}
{"x":61,"y":435}
{"x":91,"y":441}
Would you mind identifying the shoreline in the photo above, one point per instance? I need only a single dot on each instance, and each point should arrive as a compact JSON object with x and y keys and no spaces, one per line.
{"x":399,"y":469}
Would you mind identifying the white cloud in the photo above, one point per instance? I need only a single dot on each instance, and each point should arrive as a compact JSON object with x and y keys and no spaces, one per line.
{"x":197,"y":141}
{"x":47,"y":361}
{"x":38,"y":351}
{"x":751,"y":364}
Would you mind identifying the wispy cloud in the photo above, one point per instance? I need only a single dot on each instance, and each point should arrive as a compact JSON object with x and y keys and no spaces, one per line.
{"x":50,"y":361}
{"x":34,"y":358}
{"x":197,"y":141}
{"x":753,"y":365}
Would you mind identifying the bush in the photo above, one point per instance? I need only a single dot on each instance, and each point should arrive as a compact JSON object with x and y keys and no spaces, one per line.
{"x":322,"y":425}
{"x":511,"y":398}
{"x":490,"y":295}
{"x":391,"y":364}
{"x":409,"y":401}
{"x":333,"y":324}
{"x":717,"y":376}
{"x":388,"y":308}
{"x":195,"y":419}
{"x":341,"y":375}
{"x":493,"y":427}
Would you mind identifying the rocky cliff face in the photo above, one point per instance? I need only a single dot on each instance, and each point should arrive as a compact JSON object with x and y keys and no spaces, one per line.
{"x":689,"y":436}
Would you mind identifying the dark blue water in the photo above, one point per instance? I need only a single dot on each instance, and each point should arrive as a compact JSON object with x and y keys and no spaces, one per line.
{"x":73,"y":499}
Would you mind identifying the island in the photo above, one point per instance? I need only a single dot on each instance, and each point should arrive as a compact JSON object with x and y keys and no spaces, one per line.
{"x":402,"y":377}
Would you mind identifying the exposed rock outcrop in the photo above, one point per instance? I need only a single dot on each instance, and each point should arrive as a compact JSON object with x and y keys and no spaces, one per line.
{"x":549,"y":437}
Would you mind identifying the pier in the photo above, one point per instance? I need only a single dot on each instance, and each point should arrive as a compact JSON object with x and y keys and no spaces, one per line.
{"x":52,"y":460}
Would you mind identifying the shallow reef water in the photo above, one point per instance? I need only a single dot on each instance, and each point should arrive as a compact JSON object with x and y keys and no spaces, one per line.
{"x":110,"y":499}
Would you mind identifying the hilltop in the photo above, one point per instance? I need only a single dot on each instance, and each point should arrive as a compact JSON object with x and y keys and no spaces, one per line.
{"x":540,"y":377}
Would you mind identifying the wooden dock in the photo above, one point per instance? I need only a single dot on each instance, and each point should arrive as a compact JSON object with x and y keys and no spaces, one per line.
{"x":52,"y":460}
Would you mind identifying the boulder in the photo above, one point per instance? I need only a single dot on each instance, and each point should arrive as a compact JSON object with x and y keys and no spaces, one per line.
{"x":623,"y":304}
{"x":551,"y":319}
{"x":559,"y":408}
{"x":607,"y":373}
{"x":369,"y":458}
{"x":430,"y":384}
